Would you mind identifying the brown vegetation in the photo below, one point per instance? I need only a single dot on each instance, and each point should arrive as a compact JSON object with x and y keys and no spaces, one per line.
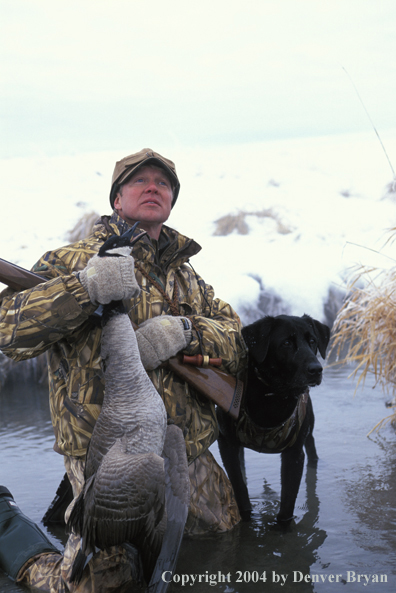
{"x":365,"y":330}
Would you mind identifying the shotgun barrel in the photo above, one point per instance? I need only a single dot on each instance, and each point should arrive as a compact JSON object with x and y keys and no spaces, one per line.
{"x":18,"y":278}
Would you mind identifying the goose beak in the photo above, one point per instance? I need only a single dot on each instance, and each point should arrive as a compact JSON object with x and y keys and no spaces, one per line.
{"x":128,"y":234}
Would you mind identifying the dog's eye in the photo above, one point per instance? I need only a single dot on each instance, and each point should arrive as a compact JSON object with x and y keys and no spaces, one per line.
{"x":312,"y":342}
{"x":287,"y":344}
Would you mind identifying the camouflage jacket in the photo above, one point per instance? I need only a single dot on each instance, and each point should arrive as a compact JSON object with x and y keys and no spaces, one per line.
{"x":57,"y":317}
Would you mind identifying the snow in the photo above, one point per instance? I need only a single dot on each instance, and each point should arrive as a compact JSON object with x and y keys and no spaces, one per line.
{"x":324,"y":203}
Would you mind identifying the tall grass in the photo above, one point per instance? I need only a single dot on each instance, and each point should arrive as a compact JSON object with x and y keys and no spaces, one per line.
{"x":364,"y":331}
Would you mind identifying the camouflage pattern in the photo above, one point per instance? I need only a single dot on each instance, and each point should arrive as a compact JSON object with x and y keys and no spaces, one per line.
{"x":56,"y":317}
{"x":213,"y":507}
{"x":271,"y":440}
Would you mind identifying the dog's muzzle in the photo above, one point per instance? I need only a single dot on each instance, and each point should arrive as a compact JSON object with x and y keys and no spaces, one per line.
{"x":315,"y":372}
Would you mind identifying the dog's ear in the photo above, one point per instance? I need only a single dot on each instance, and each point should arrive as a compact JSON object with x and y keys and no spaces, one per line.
{"x":322,"y":332}
{"x":256,"y":336}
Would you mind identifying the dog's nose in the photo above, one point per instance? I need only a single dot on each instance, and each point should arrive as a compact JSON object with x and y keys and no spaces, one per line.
{"x":314,"y":369}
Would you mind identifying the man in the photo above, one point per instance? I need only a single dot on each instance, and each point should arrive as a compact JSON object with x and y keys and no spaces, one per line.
{"x":58,"y":317}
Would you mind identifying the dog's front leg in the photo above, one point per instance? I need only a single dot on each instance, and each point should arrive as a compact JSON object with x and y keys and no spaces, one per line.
{"x":292,"y":466}
{"x":309,"y":444}
{"x":232,"y":454}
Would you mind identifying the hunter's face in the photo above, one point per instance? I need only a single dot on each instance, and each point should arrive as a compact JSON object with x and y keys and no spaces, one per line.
{"x":146,"y":196}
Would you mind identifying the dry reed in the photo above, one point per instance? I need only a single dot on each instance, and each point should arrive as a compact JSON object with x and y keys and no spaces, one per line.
{"x":364,"y":331}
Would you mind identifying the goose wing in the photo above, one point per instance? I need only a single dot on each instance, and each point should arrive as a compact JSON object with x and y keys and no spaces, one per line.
{"x":126,"y":503}
{"x":105,"y":434}
{"x":177,"y":503}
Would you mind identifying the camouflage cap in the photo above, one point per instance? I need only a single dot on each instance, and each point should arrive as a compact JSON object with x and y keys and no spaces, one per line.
{"x":129,"y":164}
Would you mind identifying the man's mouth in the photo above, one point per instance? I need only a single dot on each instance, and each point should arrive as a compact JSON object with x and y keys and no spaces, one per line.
{"x":152,"y":202}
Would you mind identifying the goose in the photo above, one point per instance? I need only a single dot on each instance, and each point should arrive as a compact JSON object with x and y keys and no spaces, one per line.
{"x":136,"y":488}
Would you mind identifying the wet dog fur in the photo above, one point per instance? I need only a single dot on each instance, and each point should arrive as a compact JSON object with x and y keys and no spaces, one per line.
{"x":282,"y":365}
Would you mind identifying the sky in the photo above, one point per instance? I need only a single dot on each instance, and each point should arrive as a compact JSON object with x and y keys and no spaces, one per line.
{"x":93,"y":75}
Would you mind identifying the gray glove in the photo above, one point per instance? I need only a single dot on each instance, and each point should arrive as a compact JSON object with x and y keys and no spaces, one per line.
{"x":161,"y":337}
{"x":109,"y":279}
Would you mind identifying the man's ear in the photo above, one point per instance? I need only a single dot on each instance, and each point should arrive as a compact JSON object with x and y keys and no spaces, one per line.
{"x":117,"y":204}
{"x":256,"y":336}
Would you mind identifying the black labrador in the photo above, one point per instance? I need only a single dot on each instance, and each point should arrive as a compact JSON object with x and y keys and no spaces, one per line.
{"x":276,"y":411}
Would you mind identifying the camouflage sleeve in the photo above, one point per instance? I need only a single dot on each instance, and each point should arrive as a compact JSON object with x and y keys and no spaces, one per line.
{"x":219,"y":332}
{"x":32,"y":320}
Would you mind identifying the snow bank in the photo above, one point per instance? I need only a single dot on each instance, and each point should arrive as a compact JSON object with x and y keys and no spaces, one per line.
{"x":325,"y":196}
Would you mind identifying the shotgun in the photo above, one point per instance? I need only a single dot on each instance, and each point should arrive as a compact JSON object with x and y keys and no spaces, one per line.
{"x":220,"y":387}
{"x":18,"y":278}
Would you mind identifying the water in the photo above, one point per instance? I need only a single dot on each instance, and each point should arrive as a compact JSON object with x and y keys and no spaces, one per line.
{"x":345,"y":513}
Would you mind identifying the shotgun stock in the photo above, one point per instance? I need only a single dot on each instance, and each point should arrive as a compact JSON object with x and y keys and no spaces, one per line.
{"x":220,"y":387}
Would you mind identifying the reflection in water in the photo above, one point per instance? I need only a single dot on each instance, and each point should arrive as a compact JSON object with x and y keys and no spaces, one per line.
{"x":345,"y":511}
{"x":369,"y":499}
{"x":259,"y":549}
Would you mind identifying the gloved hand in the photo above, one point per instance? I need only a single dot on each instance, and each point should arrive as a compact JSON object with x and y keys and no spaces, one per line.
{"x":161,"y":337}
{"x":111,"y":278}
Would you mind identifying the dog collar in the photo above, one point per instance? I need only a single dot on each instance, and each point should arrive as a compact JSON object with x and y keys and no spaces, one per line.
{"x":273,"y":439}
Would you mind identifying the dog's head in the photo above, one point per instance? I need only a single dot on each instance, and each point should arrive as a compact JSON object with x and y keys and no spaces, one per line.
{"x":283,"y":349}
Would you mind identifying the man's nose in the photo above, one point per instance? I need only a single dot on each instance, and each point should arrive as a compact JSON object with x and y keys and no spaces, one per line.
{"x":151,"y":187}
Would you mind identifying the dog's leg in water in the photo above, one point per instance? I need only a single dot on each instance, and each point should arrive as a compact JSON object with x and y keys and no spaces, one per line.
{"x":292,"y":466}
{"x":242,"y":463}
{"x":309,"y":440}
{"x":232,"y":454}
{"x":311,"y":451}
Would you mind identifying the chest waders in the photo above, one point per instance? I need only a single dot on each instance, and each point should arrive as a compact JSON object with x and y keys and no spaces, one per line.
{"x":20,"y":538}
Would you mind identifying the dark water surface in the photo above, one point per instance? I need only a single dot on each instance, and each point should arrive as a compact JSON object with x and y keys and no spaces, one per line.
{"x":345,"y":522}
